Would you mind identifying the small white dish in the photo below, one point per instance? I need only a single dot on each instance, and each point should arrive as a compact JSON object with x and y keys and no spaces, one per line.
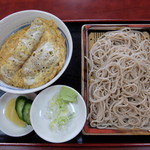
{"x":41,"y":123}
{"x":6,"y":125}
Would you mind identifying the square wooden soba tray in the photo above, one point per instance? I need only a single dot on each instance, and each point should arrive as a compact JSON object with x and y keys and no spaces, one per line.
{"x":90,"y":34}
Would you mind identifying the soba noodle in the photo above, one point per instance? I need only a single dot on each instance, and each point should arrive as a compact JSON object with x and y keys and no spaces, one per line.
{"x":119,"y":80}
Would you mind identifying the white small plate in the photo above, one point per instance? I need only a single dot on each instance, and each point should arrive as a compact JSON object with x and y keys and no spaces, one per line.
{"x":41,"y":123}
{"x":6,"y":125}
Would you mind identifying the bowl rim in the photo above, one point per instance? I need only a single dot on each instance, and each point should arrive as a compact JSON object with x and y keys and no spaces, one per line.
{"x":83,"y":108}
{"x":59,"y":74}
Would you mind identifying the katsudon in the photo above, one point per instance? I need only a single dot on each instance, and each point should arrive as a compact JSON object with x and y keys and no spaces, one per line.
{"x":33,"y":55}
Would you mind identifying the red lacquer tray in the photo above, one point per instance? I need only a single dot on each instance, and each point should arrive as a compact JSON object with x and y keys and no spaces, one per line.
{"x":90,"y":34}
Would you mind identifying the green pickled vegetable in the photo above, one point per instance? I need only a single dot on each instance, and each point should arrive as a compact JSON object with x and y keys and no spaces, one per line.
{"x":22,"y":107}
{"x":20,"y":101}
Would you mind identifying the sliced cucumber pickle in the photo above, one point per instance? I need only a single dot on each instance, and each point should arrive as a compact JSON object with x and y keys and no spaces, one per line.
{"x":22,"y":107}
{"x":20,"y":101}
{"x":26,"y":112}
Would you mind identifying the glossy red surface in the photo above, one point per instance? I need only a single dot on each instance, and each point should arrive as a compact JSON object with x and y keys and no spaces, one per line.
{"x":82,"y":10}
{"x":102,"y":146}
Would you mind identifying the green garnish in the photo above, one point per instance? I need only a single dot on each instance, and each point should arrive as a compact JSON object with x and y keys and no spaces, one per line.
{"x":67,"y":94}
{"x":59,"y":113}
